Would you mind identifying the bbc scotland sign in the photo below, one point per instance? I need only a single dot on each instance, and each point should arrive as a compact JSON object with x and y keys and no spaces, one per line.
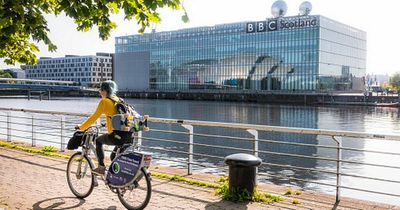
{"x":274,"y":24}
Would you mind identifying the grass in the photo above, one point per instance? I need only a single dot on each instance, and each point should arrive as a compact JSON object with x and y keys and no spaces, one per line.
{"x":223,"y":189}
{"x":237,"y":195}
{"x":185,"y":180}
{"x":298,"y":192}
{"x":46,"y":150}
{"x":289,"y":191}
{"x":296,"y":201}
{"x":49,"y":149}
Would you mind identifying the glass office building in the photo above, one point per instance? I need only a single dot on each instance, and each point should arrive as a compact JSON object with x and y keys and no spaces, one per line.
{"x":298,"y":53}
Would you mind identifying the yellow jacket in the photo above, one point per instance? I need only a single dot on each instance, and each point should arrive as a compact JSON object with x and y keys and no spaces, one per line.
{"x":106,"y":107}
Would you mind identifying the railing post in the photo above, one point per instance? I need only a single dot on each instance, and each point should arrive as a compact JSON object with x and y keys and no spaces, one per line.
{"x":8,"y":126}
{"x":190,"y":156}
{"x":254,"y":133}
{"x":338,"y":167}
{"x":139,"y":140}
{"x":62,"y":133}
{"x":33,"y":132}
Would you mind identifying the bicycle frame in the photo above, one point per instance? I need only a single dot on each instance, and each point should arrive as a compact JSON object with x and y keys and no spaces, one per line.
{"x":89,"y":136}
{"x":89,"y":148}
{"x":128,"y":171}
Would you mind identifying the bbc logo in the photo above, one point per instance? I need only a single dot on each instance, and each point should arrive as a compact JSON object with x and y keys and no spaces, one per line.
{"x":262,"y":26}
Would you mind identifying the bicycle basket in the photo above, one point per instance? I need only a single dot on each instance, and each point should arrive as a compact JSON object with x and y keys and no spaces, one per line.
{"x":76,"y":140}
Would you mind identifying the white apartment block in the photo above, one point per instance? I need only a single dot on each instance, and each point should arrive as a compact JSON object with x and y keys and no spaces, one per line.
{"x":85,"y":70}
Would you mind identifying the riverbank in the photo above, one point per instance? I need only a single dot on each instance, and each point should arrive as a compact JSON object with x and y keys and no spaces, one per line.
{"x":27,"y":167}
{"x":262,"y":97}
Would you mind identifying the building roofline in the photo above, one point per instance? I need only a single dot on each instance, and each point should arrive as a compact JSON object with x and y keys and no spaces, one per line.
{"x":352,"y":27}
{"x":216,"y":26}
{"x":98,"y":54}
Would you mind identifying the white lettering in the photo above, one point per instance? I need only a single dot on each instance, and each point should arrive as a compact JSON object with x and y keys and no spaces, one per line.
{"x":289,"y":23}
{"x":250,"y":28}
{"x":272,"y":25}
{"x":260,"y":26}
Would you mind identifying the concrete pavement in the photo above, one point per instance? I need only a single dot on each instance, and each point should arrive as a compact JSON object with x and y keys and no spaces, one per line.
{"x":32,"y":181}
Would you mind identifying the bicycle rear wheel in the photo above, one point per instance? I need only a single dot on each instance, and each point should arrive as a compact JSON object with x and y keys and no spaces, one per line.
{"x":79,"y":175}
{"x":137,"y":196}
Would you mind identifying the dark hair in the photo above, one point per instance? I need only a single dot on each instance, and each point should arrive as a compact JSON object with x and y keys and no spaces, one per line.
{"x":110,"y":87}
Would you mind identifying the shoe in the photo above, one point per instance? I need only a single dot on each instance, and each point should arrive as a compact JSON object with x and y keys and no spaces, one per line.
{"x":101,"y":170}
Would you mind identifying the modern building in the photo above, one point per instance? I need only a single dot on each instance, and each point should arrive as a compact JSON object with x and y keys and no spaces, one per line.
{"x":16,"y":73}
{"x":297,"y":53}
{"x":377,"y":79}
{"x":86,"y":70}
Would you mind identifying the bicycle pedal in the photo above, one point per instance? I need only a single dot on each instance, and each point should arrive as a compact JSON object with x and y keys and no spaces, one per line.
{"x":96,"y":183}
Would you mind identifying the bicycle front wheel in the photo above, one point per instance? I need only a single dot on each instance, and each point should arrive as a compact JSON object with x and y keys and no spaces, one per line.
{"x":137,"y":196}
{"x":79,"y":175}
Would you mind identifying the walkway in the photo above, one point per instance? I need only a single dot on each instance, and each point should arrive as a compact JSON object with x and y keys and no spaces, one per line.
{"x":31,"y":181}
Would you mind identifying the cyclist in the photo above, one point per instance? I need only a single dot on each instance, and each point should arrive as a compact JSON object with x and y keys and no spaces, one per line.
{"x":106,"y":106}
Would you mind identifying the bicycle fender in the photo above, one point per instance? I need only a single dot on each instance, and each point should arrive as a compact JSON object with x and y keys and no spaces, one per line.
{"x":146,"y":171}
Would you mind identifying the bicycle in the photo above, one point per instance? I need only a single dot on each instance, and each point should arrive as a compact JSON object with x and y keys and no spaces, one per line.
{"x":128,"y":173}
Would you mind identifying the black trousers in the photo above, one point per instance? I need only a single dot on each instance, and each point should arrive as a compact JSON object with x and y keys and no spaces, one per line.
{"x":111,"y":139}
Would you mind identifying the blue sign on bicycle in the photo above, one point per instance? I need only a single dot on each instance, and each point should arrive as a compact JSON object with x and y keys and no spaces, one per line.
{"x":124,"y":169}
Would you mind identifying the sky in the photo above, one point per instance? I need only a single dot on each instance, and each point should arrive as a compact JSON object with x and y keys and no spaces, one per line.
{"x":380,"y":19}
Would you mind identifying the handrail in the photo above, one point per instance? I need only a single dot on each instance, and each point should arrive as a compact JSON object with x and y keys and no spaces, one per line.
{"x":38,"y":81}
{"x":269,"y":128}
{"x":45,"y":112}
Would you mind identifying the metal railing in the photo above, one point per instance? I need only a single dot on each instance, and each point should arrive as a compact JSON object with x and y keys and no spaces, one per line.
{"x":180,"y":133}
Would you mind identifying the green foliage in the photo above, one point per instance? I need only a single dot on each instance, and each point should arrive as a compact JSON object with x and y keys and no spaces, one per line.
{"x":296,"y":201}
{"x":49,"y":149}
{"x":223,"y":179}
{"x":31,"y":150}
{"x":394,"y":81}
{"x":234,"y":194}
{"x":4,"y":74}
{"x":184,"y":179}
{"x":289,"y":191}
{"x":266,"y":197}
{"x":237,"y":195}
{"x":22,"y":22}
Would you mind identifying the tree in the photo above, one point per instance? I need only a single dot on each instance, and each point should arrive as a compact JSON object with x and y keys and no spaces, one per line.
{"x":4,"y":74}
{"x":394,"y":81}
{"x":22,"y":22}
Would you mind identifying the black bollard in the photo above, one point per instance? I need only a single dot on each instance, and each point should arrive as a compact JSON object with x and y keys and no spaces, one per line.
{"x":242,"y":171}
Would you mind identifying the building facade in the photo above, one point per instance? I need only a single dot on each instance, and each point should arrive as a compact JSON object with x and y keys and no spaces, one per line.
{"x":299,"y":53}
{"x":86,"y":70}
{"x":16,"y":73}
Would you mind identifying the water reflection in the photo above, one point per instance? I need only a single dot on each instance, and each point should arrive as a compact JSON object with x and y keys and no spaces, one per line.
{"x":277,"y":115}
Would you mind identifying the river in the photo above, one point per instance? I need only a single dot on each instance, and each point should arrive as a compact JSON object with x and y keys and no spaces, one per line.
{"x":348,"y":118}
